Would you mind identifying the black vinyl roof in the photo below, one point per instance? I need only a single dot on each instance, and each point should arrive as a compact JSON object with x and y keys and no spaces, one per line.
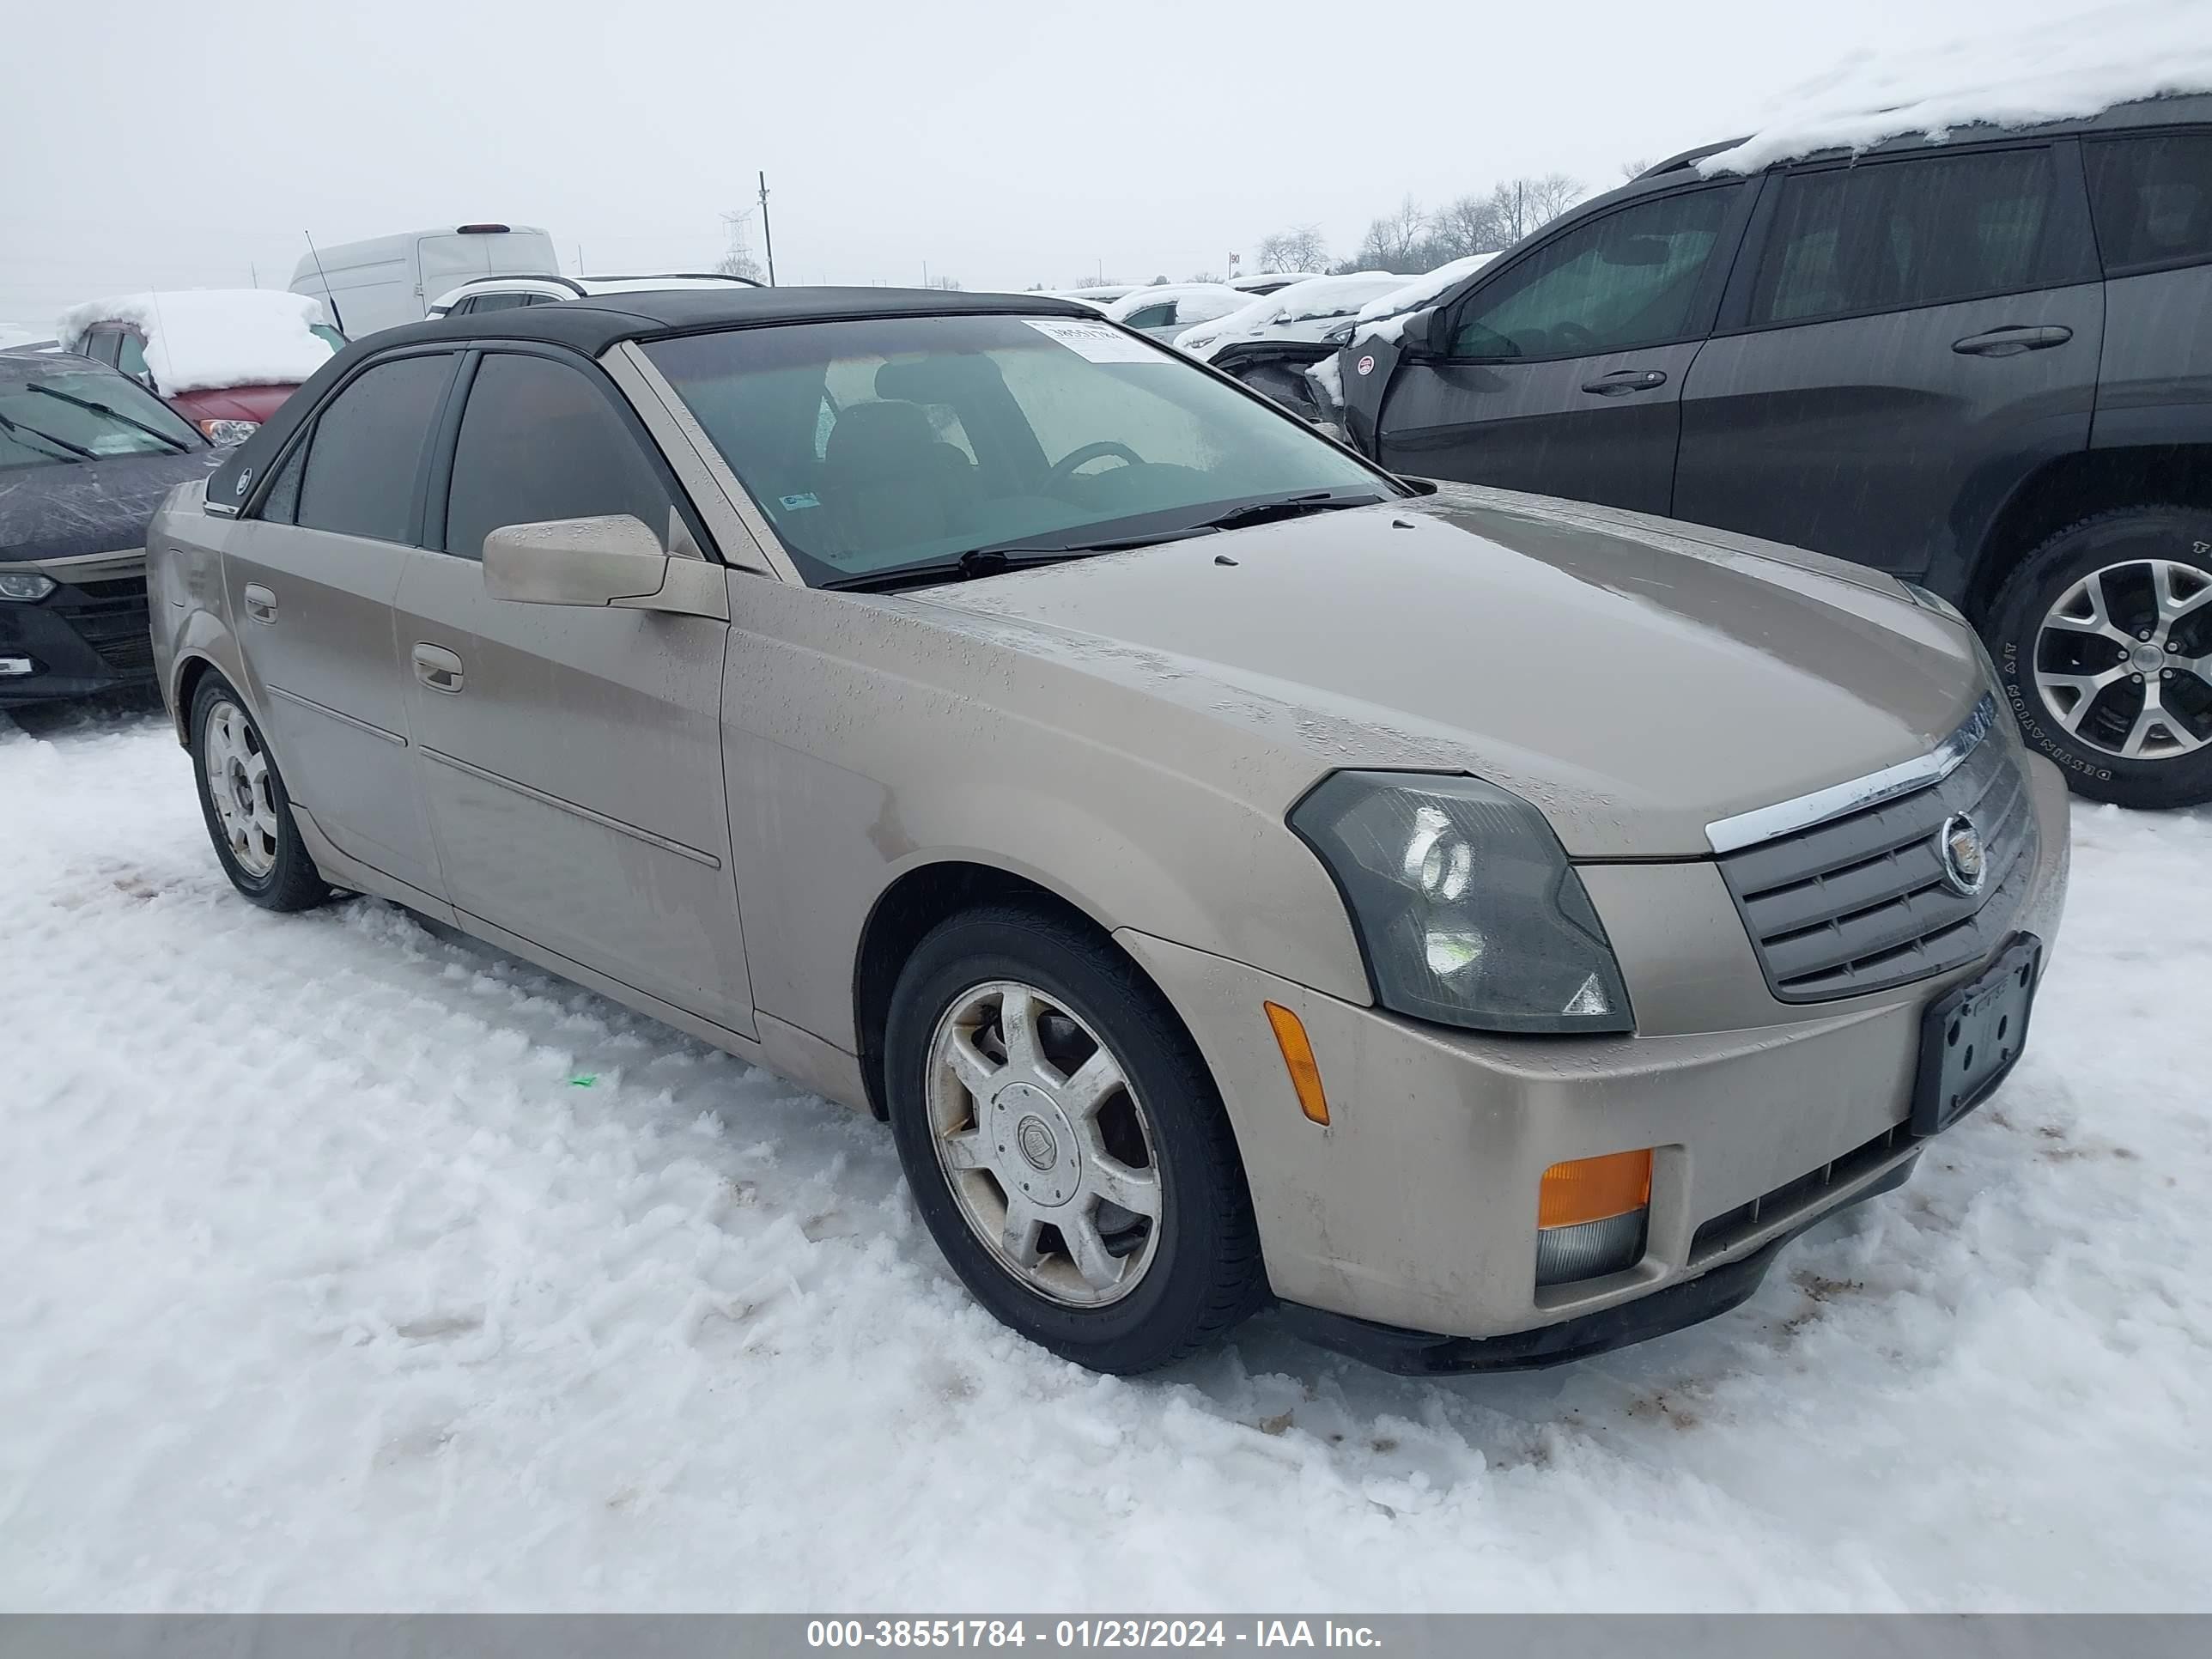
{"x":592,"y":325}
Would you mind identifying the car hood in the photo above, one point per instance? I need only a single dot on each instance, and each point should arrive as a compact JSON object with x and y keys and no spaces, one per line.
{"x":1634,"y":679}
{"x":102,"y":506}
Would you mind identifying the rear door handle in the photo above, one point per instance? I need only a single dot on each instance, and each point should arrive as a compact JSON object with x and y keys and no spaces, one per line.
{"x":260,"y":603}
{"x":1624,"y":380}
{"x":437,"y":668}
{"x":2012,"y":341}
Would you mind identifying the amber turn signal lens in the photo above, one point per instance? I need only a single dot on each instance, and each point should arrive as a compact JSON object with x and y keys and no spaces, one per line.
{"x":1297,"y":1054}
{"x":1593,"y":1188}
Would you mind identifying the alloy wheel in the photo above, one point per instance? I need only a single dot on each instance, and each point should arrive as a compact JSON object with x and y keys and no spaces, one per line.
{"x":239,"y":783}
{"x":1044,"y":1144}
{"x":2124,"y":660}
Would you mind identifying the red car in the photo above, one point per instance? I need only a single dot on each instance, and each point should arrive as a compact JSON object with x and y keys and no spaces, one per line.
{"x":225,"y":359}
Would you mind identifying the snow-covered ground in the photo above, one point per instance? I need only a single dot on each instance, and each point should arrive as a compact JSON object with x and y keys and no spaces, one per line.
{"x":344,"y":1267}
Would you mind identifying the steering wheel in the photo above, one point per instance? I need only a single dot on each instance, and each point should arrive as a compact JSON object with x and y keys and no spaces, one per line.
{"x":1064,"y":468}
{"x":1572,"y":335}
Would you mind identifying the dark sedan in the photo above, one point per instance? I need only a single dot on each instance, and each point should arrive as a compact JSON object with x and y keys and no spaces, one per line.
{"x":86,"y":455}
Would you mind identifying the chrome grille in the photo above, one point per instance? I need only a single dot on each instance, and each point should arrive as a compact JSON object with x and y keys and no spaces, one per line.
{"x":1860,"y":901}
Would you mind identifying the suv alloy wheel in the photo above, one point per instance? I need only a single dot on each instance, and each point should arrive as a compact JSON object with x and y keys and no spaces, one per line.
{"x":2103,"y":638}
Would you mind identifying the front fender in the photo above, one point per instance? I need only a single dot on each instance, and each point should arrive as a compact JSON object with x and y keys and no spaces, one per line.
{"x":849,"y":768}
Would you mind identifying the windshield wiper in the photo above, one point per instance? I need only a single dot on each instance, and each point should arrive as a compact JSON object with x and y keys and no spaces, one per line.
{"x":987,"y":562}
{"x":173,"y":442}
{"x":1287,"y":507}
{"x":62,"y":444}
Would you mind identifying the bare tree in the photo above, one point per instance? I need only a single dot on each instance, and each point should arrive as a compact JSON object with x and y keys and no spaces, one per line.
{"x":1302,"y":247}
{"x":1471,"y":224}
{"x":1528,"y":204}
{"x":1396,"y":241}
{"x":1636,"y":167}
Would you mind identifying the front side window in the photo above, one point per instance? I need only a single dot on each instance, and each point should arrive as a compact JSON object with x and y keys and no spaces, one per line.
{"x":2153,"y":200}
{"x":1630,"y":279}
{"x":539,"y":441}
{"x":64,"y":414}
{"x":871,"y":446}
{"x":1891,"y":236}
{"x":366,"y":450}
{"x":1158,"y":316}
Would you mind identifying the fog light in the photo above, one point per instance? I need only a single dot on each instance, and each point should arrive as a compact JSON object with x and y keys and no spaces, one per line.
{"x":1591,"y":1215}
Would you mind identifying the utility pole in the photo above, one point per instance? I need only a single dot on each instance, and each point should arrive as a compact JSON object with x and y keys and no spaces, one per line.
{"x":768,"y":235}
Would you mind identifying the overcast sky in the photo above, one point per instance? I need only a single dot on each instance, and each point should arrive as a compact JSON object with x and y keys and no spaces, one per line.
{"x":1003,"y":142}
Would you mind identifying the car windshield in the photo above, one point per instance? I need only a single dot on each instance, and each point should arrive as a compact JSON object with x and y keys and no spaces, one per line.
{"x":875,"y":446}
{"x":60,"y":414}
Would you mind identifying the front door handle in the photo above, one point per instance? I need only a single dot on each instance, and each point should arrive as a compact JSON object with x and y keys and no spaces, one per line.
{"x":2010,"y":342}
{"x":437,"y":668}
{"x":260,"y":603}
{"x":1624,"y":380}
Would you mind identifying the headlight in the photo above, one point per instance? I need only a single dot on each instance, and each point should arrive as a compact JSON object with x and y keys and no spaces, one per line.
{"x":25,"y":587}
{"x":1466,"y":907}
{"x":228,"y":432}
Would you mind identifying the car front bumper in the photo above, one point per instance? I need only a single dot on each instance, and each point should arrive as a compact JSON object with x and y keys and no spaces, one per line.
{"x":90,"y":635}
{"x":1405,"y":1229}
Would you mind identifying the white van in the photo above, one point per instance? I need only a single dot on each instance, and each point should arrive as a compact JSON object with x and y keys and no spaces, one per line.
{"x":389,"y":280}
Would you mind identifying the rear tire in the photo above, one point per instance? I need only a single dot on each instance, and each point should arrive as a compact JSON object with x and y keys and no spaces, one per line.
{"x":249,"y":822}
{"x":2127,"y":718}
{"x":1015,"y":1168}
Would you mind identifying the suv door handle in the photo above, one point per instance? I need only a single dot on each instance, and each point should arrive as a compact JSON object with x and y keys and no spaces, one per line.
{"x":1622,"y":380}
{"x":2010,"y":342}
{"x":260,"y":603}
{"x":437,"y":668}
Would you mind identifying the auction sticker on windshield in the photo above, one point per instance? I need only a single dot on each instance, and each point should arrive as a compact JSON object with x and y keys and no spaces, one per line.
{"x":1094,"y":341}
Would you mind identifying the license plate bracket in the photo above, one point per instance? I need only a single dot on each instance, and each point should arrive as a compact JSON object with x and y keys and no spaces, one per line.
{"x":1972,"y":1038}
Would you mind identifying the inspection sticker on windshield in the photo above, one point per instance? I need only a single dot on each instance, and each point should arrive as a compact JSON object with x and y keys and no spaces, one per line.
{"x":1094,"y":341}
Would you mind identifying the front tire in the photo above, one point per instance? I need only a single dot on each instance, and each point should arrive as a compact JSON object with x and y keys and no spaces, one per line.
{"x":1066,"y":1145}
{"x":2103,"y":639}
{"x":249,"y":817}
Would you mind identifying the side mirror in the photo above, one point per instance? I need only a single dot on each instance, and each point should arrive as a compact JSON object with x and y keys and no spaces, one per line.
{"x":574,"y":562}
{"x":1417,"y":334}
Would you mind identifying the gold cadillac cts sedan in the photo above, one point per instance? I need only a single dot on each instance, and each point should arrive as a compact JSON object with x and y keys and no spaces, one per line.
{"x":1488,"y":927}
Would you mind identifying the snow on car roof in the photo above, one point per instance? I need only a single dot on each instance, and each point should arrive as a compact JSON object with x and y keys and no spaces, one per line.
{"x":1211,"y":300}
{"x":201,"y":339}
{"x":1316,"y":296}
{"x":2006,"y":77}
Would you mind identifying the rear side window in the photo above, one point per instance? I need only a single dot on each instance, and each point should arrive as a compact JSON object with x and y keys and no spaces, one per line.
{"x":1891,"y":236}
{"x":2153,"y":201}
{"x":130,"y":358}
{"x":539,"y":441}
{"x":1630,"y":279}
{"x":367,"y":447}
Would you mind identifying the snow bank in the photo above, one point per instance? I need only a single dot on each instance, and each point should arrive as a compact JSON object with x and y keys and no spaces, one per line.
{"x":1316,"y":297}
{"x":348,"y":1267}
{"x":2003,"y":77}
{"x":198,"y":339}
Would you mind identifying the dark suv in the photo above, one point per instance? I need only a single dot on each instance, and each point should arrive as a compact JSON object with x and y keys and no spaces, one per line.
{"x":1983,"y":365}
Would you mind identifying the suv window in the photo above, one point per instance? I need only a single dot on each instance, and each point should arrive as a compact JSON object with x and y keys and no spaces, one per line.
{"x":367,"y":449}
{"x":1629,"y":279}
{"x":540,"y":441}
{"x":1891,"y":235}
{"x":130,"y":357}
{"x":1158,"y":316}
{"x":2153,"y":200}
